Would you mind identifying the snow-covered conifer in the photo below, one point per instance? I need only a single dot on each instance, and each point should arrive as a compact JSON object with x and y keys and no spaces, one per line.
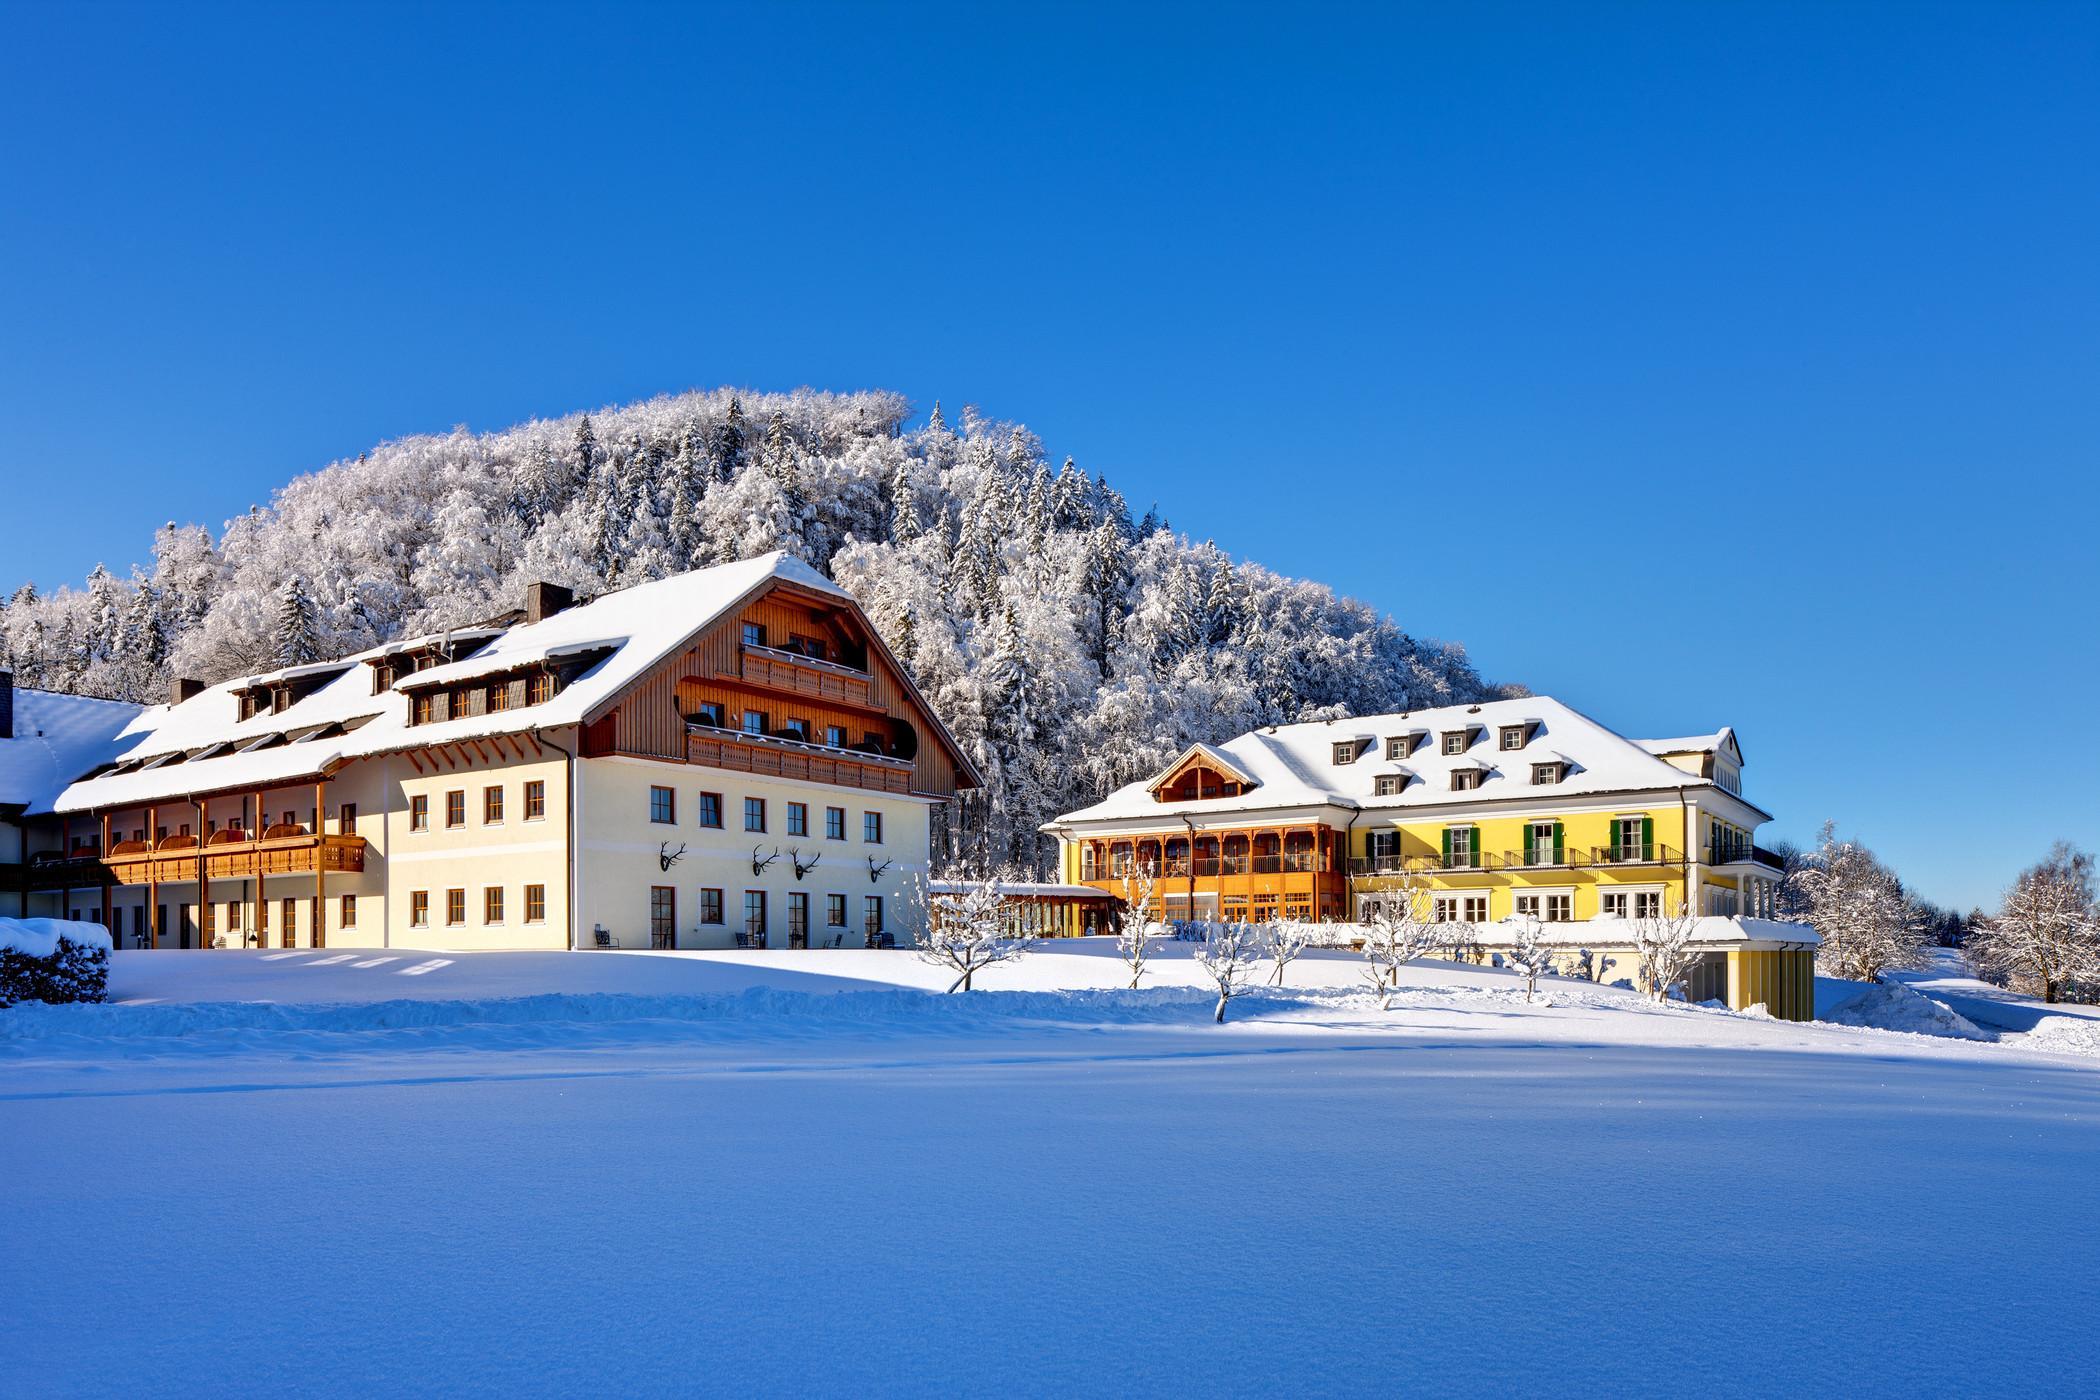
{"x":296,"y":643}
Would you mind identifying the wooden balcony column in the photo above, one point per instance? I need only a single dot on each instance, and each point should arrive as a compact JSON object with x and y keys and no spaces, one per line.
{"x":153,"y":876}
{"x":203,"y":882}
{"x":255,"y":834}
{"x":104,"y":853}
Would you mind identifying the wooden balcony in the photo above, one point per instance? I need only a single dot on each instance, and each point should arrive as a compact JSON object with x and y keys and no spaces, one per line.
{"x":788,"y":758}
{"x":797,"y":674}
{"x":231,"y":855}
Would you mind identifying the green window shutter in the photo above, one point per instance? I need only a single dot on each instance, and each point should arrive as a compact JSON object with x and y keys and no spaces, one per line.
{"x":1647,"y":838}
{"x":1473,"y":849}
{"x":1531,"y":843}
{"x":1560,"y":844}
{"x":1447,"y":845}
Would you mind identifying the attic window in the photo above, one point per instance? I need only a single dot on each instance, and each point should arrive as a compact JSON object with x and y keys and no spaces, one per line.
{"x":1515,"y":736}
{"x":1542,"y":773}
{"x":1389,"y":784}
{"x":1345,"y":752}
{"x":1456,"y":741}
{"x":1399,"y":745}
{"x":1464,"y":779}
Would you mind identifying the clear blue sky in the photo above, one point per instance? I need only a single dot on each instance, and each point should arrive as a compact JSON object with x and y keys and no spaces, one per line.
{"x":1698,"y":364}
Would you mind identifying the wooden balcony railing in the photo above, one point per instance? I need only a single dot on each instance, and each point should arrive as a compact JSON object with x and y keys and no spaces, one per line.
{"x":805,"y":675}
{"x":790,"y":758}
{"x":233,"y":855}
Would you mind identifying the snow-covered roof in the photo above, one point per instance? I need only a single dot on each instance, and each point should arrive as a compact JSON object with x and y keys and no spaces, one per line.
{"x":641,"y":625}
{"x":1688,"y":743}
{"x":1707,"y":928}
{"x":56,"y":738}
{"x":1292,"y":765}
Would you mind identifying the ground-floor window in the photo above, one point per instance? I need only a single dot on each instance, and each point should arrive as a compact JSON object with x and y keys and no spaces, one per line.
{"x":754,"y":912}
{"x":492,"y":904}
{"x":798,"y":915}
{"x":455,"y":906}
{"x":834,"y":911}
{"x":288,"y":911}
{"x":663,"y":917}
{"x":1459,"y":908}
{"x":346,"y":911}
{"x":419,"y":908}
{"x":1298,"y":907}
{"x":535,"y":904}
{"x":1549,"y":906}
{"x":871,"y":915}
{"x":710,"y":906}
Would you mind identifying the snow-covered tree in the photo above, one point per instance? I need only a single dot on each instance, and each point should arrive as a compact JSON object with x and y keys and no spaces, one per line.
{"x":1228,"y":956}
{"x":1397,"y":930}
{"x":1665,"y":950}
{"x":1529,"y":952}
{"x":2045,"y":937}
{"x":1287,"y":938}
{"x":296,"y":643}
{"x":1867,"y":923}
{"x":1135,"y":940}
{"x":970,"y":930}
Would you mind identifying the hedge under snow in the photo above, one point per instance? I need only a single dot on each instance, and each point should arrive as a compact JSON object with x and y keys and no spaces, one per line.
{"x":54,"y":960}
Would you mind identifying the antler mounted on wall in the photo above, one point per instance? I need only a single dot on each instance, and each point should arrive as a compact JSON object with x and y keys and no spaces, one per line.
{"x":759,"y":864}
{"x":666,"y":857}
{"x":801,"y":869}
{"x":875,"y":871}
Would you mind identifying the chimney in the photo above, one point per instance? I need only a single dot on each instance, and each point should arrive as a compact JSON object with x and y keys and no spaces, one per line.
{"x":7,"y":704}
{"x":184,"y":688}
{"x":544,"y":600}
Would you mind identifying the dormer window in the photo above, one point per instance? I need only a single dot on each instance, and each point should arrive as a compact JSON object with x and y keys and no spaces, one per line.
{"x":1515,"y":736}
{"x":1544,"y":773}
{"x":1456,"y":741}
{"x":1399,"y":746}
{"x":1389,"y":784}
{"x":1345,"y":752}
{"x":1465,"y":779}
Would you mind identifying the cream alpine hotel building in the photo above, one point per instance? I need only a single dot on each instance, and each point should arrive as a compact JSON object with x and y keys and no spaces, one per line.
{"x":1484,"y":813}
{"x":725,"y":757}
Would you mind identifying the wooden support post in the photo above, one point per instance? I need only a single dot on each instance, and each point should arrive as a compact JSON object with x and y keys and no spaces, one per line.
{"x":153,"y":876}
{"x":320,"y":863}
{"x":104,"y":864}
{"x":203,"y":882}
{"x":255,"y":922}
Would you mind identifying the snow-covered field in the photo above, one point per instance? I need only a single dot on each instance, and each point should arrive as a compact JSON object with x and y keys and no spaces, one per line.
{"x":790,"y":1172}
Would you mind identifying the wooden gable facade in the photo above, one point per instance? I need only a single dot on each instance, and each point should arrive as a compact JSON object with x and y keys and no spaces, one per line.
{"x":791,"y":682}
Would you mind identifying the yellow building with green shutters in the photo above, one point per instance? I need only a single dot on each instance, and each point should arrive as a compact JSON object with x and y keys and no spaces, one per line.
{"x":1494,"y":811}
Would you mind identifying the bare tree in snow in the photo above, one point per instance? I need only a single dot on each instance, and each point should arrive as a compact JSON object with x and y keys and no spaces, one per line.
{"x":1530,"y":951}
{"x":1287,"y":938}
{"x":970,"y":930}
{"x":1867,"y":924}
{"x":1227,"y":956}
{"x":1134,"y":942}
{"x":1666,"y":952}
{"x":1398,"y":930}
{"x":2046,"y":936}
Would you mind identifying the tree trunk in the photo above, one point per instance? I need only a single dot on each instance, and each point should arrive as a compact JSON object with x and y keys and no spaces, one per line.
{"x":1219,"y":1018}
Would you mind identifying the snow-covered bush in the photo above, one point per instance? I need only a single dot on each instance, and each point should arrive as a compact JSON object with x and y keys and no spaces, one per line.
{"x":1396,"y":931}
{"x":969,"y":931}
{"x":53,"y":960}
{"x":1227,"y":957}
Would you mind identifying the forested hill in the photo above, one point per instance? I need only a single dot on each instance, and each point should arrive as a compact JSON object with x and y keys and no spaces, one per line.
{"x":1070,"y":647}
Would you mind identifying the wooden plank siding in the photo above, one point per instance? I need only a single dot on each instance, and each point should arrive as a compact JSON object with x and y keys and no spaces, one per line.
{"x":649,"y":720}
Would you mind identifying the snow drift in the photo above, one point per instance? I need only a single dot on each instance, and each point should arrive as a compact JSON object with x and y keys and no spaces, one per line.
{"x":1891,"y":1006}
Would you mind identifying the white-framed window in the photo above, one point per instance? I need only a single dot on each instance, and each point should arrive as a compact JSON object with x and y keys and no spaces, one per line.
{"x":1630,"y":903}
{"x":1615,"y":904}
{"x":1547,"y":906}
{"x":1465,"y":779}
{"x":1388,"y":784}
{"x":1647,"y":904}
{"x":1345,"y":752}
{"x":1459,"y":908}
{"x":1512,"y":737}
{"x":1455,"y":742}
{"x":1397,"y":746}
{"x":1544,"y":773}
